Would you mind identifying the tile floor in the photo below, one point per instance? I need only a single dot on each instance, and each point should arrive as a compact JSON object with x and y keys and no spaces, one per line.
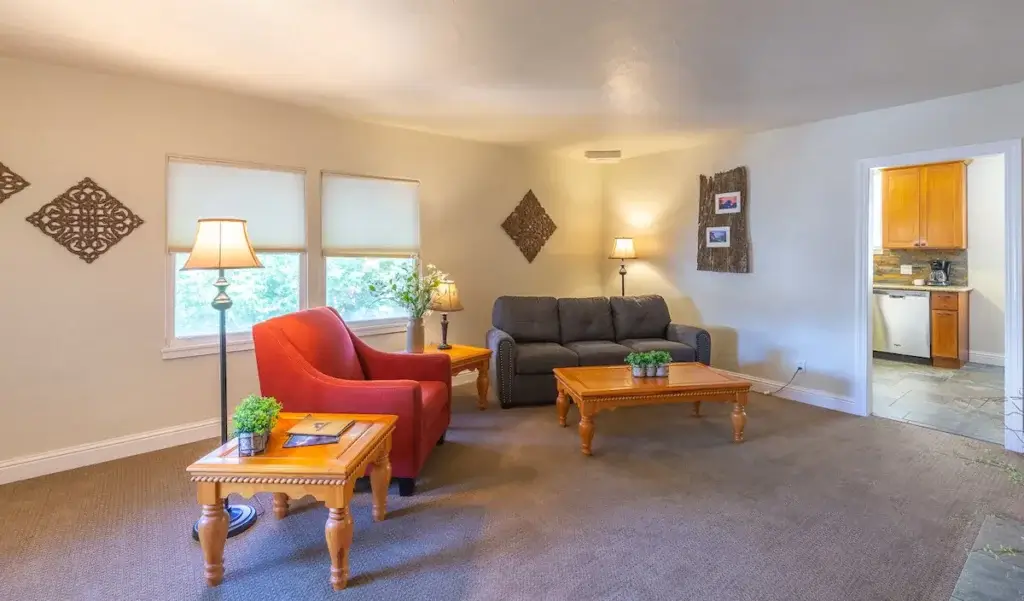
{"x":966,"y":401}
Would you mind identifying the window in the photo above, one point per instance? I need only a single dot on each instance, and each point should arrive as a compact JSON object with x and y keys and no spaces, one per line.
{"x":273,"y":203}
{"x":371,"y":230}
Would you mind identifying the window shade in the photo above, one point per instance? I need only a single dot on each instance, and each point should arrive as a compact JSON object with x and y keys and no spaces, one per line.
{"x":273,"y":202}
{"x":369,"y":215}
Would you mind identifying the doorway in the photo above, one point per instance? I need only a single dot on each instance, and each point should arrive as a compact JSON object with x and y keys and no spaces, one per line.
{"x":979,"y":396}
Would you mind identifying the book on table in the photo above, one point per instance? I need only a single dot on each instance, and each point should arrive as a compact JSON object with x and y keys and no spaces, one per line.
{"x":312,"y":431}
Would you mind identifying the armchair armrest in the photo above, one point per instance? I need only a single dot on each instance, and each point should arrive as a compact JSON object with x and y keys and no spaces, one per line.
{"x":698,"y":338}
{"x":380,"y":365}
{"x":503,"y":363}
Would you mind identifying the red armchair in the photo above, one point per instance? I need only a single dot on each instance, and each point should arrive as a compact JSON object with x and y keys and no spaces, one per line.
{"x":311,"y":362}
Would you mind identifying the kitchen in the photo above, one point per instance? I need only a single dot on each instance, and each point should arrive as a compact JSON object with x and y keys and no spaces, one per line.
{"x":938,"y":295}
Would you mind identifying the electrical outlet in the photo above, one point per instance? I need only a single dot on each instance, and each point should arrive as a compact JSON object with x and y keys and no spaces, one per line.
{"x":906,"y":270}
{"x":801,"y":365}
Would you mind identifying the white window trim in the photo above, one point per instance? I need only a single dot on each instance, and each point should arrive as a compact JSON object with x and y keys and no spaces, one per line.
{"x":196,"y":346}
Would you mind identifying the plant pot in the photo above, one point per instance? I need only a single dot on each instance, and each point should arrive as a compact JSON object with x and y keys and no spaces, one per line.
{"x":638,"y":371}
{"x":414,"y":336}
{"x":661,"y":371}
{"x":652,"y":371}
{"x":250,"y":444}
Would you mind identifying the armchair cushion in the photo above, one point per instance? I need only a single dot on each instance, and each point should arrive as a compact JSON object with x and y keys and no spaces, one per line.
{"x":599,"y":352}
{"x":585,"y":319}
{"x":680,"y":352}
{"x":639,"y":316}
{"x":542,"y":357}
{"x":306,"y":331}
{"x":527,"y":318}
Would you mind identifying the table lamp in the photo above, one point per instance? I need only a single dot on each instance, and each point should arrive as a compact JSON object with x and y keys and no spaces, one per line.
{"x":445,"y":300}
{"x":623,"y":250}
{"x":224,"y":244}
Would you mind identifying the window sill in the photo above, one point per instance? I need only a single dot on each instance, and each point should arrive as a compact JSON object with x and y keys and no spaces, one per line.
{"x":379,"y":328}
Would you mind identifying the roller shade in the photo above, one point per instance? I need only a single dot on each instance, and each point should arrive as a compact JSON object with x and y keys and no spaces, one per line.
{"x":369,"y":215}
{"x":273,"y":202}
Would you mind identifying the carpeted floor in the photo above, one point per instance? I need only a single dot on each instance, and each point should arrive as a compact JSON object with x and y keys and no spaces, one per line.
{"x":816,"y":505}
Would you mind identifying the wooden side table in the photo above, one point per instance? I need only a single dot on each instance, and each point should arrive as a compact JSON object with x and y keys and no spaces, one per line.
{"x":469,"y":358}
{"x":327,"y":472}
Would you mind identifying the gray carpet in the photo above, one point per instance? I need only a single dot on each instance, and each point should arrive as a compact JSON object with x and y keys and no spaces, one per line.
{"x":814,"y":506}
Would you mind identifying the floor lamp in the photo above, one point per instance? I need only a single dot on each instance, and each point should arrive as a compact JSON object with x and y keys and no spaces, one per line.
{"x":224,"y":244}
{"x":623,"y":250}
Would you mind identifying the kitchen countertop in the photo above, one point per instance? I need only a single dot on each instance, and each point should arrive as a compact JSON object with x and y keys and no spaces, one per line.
{"x":887,"y":286}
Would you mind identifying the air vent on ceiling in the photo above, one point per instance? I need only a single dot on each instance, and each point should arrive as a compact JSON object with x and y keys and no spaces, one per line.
{"x":603,"y":156}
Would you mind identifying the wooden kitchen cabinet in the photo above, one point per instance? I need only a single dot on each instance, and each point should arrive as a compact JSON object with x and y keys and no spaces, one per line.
{"x":925,"y":206}
{"x":950,"y":343}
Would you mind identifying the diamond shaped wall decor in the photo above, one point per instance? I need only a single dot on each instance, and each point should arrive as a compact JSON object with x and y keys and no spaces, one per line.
{"x":10,"y":183}
{"x":529,"y":226}
{"x":86,"y":219}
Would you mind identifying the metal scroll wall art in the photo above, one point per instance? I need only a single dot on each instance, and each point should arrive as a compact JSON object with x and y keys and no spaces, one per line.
{"x":529,"y":226}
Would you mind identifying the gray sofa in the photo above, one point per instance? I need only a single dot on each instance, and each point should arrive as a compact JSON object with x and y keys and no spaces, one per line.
{"x":532,"y":335}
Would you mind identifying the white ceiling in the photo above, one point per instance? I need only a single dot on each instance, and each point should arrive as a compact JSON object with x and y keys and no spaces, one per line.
{"x":565,"y":74}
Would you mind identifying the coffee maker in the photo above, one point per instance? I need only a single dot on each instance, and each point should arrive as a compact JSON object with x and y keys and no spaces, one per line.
{"x":940,"y":273}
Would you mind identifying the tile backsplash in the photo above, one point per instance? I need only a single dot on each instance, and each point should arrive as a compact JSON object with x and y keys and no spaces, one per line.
{"x":887,"y":265}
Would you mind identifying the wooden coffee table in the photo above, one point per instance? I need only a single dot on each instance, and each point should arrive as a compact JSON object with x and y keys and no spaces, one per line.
{"x":326,"y":472}
{"x":469,"y":358}
{"x":601,"y":388}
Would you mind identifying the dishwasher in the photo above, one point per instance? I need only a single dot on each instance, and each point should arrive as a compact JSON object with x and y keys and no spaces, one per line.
{"x":902,"y":322}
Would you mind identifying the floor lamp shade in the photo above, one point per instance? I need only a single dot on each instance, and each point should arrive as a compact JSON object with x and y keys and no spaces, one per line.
{"x":221,"y":244}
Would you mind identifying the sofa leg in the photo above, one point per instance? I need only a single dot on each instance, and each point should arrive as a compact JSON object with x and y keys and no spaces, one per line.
{"x":406,"y":486}
{"x":440,"y":441}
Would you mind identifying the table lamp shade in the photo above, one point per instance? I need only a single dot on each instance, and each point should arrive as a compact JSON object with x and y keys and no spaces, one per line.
{"x":623,"y":249}
{"x":446,"y":298}
{"x":221,"y":244}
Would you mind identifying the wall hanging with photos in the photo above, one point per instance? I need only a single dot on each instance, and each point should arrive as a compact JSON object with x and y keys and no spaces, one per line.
{"x":723,"y":243}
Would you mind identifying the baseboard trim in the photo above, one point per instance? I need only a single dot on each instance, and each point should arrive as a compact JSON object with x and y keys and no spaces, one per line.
{"x":800,"y":394}
{"x":68,"y":458}
{"x":986,"y":358}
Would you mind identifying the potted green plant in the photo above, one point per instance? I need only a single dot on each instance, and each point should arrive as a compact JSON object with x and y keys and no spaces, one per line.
{"x":254,"y":418}
{"x":661,"y":359}
{"x":649,"y":366}
{"x":636,"y":361}
{"x":411,"y":290}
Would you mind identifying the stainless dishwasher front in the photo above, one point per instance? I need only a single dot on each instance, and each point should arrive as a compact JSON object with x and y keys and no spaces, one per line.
{"x":902,"y":322}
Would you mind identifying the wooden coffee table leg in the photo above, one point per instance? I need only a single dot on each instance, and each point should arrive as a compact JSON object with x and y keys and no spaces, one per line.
{"x":739,"y":417}
{"x":562,"y":402}
{"x":696,"y":409}
{"x":380,"y":478}
{"x":338,"y":532}
{"x":213,"y":532}
{"x":280,"y":505}
{"x":483,"y":382}
{"x":586,"y":427}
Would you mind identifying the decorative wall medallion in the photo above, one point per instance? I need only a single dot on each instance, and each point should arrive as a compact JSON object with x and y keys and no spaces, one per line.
{"x":86,"y":220}
{"x":529,"y":226}
{"x":10,"y":183}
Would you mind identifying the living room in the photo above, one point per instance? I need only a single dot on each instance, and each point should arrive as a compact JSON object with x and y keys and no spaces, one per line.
{"x":99,"y":391}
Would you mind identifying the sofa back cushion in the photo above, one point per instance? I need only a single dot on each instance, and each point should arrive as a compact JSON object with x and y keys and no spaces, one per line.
{"x":585,"y":319}
{"x":527,"y":318}
{"x":640,"y":316}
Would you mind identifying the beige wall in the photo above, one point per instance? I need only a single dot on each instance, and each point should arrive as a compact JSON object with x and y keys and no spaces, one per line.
{"x":798,"y":303}
{"x":81,"y":357}
{"x":986,"y":256}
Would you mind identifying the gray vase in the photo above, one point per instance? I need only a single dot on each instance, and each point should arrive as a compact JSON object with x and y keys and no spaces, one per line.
{"x":250,"y":444}
{"x":662,"y":371}
{"x":652,"y":371}
{"x":638,"y":371}
{"x":414,"y":335}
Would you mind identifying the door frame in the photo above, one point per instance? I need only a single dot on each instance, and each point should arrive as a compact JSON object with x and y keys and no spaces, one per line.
{"x":1013,"y":324}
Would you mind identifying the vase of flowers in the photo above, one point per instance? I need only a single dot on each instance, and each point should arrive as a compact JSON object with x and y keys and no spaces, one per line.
{"x":412,"y":290}
{"x":254,"y":418}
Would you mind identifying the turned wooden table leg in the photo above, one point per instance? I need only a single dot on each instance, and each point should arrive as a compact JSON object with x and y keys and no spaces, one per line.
{"x":739,"y":417}
{"x":563,"y":407}
{"x":483,"y":382}
{"x":586,"y":428}
{"x":338,"y":533}
{"x":280,"y":505}
{"x":213,"y":532}
{"x":380,"y":478}
{"x":696,"y":409}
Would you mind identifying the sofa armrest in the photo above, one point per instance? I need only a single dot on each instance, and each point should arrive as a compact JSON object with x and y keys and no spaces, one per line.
{"x":503,"y":363}
{"x":698,"y":338}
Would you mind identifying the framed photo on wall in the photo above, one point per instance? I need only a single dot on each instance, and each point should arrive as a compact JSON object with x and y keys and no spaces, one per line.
{"x":729,"y":202}
{"x":718,"y":237}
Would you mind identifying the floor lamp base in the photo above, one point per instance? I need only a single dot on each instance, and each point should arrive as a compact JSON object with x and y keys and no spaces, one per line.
{"x":240,"y":518}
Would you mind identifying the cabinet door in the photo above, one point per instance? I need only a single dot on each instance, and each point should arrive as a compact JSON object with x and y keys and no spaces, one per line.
{"x":943,"y":206}
{"x":944,"y":334}
{"x":901,"y":208}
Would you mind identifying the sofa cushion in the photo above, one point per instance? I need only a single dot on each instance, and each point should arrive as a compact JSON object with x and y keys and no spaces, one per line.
{"x":599,"y":352}
{"x":639,"y":316}
{"x":680,"y":352}
{"x":527,"y":318}
{"x":585,"y":319}
{"x":542,"y":357}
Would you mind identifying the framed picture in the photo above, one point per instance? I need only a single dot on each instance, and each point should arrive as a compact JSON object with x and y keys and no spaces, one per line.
{"x":729,"y":202}
{"x":718,"y":237}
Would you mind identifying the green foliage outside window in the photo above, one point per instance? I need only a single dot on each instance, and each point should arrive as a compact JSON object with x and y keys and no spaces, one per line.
{"x":349,"y":281}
